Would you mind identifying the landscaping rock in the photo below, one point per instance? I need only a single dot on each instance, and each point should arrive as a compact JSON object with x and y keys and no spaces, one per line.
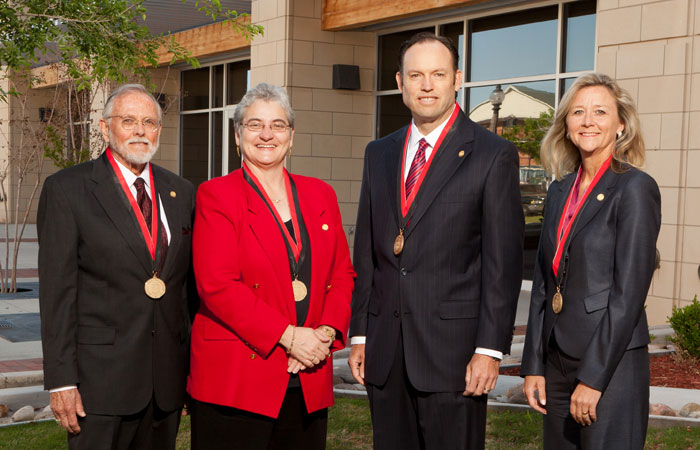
{"x":343,"y":371}
{"x":659,"y":409}
{"x":515,"y":395}
{"x":688,"y":408}
{"x":4,"y":410}
{"x":346,"y":386}
{"x":23,"y":414}
{"x":694,"y":415}
{"x":337,"y":380}
{"x":5,"y":420}
{"x":45,"y":413}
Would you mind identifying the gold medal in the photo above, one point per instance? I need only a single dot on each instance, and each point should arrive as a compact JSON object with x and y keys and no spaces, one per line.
{"x":557,"y":301}
{"x":154,"y":287}
{"x":299,"y":289}
{"x":398,"y":243}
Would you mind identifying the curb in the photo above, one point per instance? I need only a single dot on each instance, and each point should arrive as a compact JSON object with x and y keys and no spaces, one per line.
{"x":10,"y":380}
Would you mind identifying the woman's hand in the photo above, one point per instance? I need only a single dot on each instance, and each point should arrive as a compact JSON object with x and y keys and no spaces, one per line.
{"x":584,"y":401}
{"x":535,"y":383}
{"x":306,"y":345}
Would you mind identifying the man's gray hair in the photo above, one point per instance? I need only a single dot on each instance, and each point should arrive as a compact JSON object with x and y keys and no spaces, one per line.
{"x":126,"y":89}
{"x":266,"y":92}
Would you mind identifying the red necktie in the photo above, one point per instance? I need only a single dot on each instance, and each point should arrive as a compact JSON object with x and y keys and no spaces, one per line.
{"x":144,"y":202}
{"x":416,"y":167}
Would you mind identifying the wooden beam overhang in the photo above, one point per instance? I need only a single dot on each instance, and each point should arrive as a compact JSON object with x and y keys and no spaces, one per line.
{"x":205,"y":41}
{"x":347,"y":14}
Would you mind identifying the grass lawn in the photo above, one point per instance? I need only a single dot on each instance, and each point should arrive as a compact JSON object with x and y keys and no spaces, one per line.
{"x":349,"y":428}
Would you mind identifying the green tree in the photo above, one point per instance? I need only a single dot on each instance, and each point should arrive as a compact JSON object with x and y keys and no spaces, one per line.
{"x":90,"y":44}
{"x":528,"y":135}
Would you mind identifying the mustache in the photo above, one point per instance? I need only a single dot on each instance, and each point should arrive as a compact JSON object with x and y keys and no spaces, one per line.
{"x":138,"y":141}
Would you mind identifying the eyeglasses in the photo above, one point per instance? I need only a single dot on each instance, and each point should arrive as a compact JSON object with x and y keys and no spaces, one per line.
{"x":128,"y":123}
{"x":277,"y":126}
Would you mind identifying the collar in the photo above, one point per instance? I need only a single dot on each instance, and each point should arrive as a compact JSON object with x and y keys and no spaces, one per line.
{"x":130,"y":177}
{"x":431,"y":137}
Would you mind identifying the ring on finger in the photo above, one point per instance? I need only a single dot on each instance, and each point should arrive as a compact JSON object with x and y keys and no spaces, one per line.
{"x":585,"y":413}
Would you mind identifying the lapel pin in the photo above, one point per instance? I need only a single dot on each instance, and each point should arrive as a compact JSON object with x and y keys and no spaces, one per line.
{"x":324,"y":227}
{"x":600,"y":197}
{"x":173,"y":194}
{"x":461,"y":153}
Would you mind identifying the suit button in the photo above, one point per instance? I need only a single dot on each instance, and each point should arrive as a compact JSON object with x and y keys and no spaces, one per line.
{"x":256,"y":285}
{"x":252,"y":356}
{"x":396,"y":314}
{"x":153,"y":332}
{"x":404,"y":271}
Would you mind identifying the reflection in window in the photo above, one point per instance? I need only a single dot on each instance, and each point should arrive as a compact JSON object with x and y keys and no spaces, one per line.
{"x":578,"y":35}
{"x":238,"y":81}
{"x":388,"y":53}
{"x":195,"y":89}
{"x":520,"y":101}
{"x":392,"y":114}
{"x":194,"y":142}
{"x":513,"y":45}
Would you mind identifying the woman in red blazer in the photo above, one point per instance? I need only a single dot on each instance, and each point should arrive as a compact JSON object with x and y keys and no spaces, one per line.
{"x":275,"y":279}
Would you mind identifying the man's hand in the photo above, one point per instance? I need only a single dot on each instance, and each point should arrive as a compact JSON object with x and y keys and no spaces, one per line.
{"x":356,"y":361}
{"x":65,"y":405}
{"x":482,"y":373}
{"x":535,"y":383}
{"x":584,"y":401}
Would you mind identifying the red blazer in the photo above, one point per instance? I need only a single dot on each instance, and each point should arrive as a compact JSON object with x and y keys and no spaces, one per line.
{"x":243,"y":279}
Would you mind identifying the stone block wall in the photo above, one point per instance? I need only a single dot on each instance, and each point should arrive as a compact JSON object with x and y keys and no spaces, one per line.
{"x":653,"y":49}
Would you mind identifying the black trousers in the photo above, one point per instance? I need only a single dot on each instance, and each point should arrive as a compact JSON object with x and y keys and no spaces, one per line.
{"x":404,"y":418}
{"x":216,"y":427}
{"x":149,"y":429}
{"x":622,"y":412}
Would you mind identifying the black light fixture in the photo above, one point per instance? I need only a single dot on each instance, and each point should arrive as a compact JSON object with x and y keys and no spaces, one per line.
{"x":496,"y":99}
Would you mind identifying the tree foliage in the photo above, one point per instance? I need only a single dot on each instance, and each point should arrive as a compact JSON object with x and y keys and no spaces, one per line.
{"x":528,"y":135}
{"x":88,"y":45}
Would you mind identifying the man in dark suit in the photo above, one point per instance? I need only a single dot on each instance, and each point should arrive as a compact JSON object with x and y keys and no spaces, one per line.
{"x":438,"y":253}
{"x":114,"y":257}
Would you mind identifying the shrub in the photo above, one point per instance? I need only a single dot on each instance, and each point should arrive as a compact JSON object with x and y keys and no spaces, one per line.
{"x":686,"y":326}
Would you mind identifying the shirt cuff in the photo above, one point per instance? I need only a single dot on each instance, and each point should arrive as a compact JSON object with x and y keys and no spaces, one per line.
{"x":358,"y":340}
{"x":62,"y":388}
{"x":488,"y":352}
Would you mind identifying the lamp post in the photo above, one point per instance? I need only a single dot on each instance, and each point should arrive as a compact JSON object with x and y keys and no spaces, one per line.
{"x":496,"y":99}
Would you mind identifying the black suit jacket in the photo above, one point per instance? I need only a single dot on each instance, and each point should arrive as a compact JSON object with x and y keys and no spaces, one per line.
{"x":99,"y":329}
{"x":608,"y":262}
{"x":456,"y":283}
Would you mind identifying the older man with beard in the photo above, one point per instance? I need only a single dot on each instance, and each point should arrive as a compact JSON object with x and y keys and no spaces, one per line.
{"x":114,"y":257}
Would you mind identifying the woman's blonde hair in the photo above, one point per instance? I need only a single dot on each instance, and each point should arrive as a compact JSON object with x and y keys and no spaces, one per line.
{"x":560,"y":156}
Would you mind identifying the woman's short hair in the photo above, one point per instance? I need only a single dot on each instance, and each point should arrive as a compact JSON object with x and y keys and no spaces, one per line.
{"x":126,"y":89}
{"x":560,"y":156}
{"x":266,"y":92}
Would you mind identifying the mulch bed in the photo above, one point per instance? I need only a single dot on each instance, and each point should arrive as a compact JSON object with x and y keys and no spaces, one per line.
{"x":665,"y":370}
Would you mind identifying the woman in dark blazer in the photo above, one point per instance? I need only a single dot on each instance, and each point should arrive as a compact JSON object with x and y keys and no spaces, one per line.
{"x":275,"y":279}
{"x":585,"y":360}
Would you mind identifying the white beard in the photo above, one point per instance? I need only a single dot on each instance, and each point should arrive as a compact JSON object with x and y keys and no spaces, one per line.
{"x":134,"y":157}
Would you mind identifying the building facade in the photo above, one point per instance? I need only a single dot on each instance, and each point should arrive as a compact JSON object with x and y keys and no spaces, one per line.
{"x":533,"y":50}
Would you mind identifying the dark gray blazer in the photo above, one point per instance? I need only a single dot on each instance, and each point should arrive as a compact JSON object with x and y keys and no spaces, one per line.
{"x":99,"y":329}
{"x":455,"y":285}
{"x":608,"y":262}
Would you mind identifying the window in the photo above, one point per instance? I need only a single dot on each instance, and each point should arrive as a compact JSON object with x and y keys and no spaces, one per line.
{"x":533,"y":54}
{"x":208,"y":98}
